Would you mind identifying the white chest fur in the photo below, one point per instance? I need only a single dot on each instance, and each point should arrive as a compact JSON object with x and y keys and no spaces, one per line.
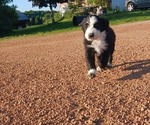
{"x":99,"y":46}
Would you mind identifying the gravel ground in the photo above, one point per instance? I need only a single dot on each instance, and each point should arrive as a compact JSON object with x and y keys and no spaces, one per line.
{"x":43,"y":80}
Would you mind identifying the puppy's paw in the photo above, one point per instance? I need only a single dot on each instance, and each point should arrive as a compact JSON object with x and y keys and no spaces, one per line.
{"x":109,"y":65}
{"x":91,"y":73}
{"x":98,"y":69}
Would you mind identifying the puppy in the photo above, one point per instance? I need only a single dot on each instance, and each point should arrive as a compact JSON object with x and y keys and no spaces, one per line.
{"x":99,"y":40}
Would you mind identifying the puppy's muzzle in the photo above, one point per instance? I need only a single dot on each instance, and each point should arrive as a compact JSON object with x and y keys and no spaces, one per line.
{"x":91,"y":35}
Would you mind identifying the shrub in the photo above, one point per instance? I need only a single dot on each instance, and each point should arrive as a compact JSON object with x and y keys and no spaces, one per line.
{"x":8,"y":19}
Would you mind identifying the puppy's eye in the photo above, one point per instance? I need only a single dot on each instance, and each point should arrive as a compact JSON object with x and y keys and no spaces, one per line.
{"x":96,"y":25}
{"x":87,"y":24}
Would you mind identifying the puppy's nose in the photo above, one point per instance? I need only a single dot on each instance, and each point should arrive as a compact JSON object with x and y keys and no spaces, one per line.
{"x":91,"y":35}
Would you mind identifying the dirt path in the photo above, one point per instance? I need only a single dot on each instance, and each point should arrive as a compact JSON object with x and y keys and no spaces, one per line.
{"x":43,"y":81}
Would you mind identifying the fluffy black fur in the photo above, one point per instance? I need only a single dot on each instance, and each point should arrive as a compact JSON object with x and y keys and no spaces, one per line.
{"x":106,"y":56}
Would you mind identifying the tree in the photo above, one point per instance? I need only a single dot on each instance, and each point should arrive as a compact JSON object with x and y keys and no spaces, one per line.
{"x":32,"y":21}
{"x":46,"y":18}
{"x":99,"y":2}
{"x":8,"y":17}
{"x":46,"y":3}
{"x":4,"y":2}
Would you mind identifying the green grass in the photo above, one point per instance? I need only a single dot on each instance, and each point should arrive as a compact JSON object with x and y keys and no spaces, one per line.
{"x":127,"y":17}
{"x":57,"y":27}
{"x":67,"y":26}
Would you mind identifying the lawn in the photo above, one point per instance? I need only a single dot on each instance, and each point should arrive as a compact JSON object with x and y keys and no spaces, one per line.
{"x":63,"y":26}
{"x":125,"y":17}
{"x":66,"y":25}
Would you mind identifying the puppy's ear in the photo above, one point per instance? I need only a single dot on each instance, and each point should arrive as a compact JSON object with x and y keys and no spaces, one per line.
{"x":82,"y":24}
{"x":104,"y":23}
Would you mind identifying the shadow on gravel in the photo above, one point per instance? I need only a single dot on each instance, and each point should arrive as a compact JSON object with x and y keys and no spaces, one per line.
{"x":138,"y":68}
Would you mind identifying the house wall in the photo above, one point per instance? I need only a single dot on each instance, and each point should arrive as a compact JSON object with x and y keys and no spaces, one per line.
{"x":118,"y":4}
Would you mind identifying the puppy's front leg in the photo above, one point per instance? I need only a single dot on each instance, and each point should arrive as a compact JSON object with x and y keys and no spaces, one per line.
{"x":90,"y":60}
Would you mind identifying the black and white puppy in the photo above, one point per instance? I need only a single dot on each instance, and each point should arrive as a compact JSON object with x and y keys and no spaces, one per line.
{"x":99,"y":40}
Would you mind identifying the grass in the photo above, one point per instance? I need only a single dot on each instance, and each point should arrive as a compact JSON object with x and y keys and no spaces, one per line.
{"x":67,"y":26}
{"x":63,"y":26}
{"x":127,"y":17}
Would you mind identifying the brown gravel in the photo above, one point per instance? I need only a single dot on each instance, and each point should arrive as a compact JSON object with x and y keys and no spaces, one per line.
{"x":43,"y":80}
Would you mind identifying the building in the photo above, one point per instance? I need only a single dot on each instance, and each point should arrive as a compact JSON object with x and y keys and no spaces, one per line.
{"x":22,"y":20}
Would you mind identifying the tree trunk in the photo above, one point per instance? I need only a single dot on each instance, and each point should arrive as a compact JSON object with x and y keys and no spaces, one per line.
{"x":108,"y":4}
{"x":52,"y":13}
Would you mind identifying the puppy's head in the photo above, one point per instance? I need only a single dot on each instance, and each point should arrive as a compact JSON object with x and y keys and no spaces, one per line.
{"x":94,"y":27}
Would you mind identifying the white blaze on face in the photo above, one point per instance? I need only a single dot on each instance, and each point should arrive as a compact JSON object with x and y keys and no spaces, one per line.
{"x":91,"y":29}
{"x":93,"y":20}
{"x":98,"y":35}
